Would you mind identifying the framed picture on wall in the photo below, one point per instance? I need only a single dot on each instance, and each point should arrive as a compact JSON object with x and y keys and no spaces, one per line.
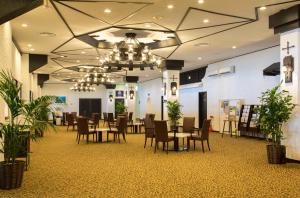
{"x":119,"y":93}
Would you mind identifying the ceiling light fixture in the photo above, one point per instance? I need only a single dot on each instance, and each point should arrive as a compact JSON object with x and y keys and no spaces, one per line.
{"x":131,"y":53}
{"x":234,"y":47}
{"x":199,"y":58}
{"x":147,"y":25}
{"x":24,"y":25}
{"x":29,"y":45}
{"x":107,"y":10}
{"x":47,"y":34}
{"x":205,"y":21}
{"x":170,"y":6}
{"x":200,"y":1}
{"x":83,"y":52}
{"x":263,"y":8}
{"x":32,"y":49}
{"x":77,"y":61}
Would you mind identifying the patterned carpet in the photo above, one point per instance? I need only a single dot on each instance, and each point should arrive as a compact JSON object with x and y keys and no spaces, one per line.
{"x":234,"y":168}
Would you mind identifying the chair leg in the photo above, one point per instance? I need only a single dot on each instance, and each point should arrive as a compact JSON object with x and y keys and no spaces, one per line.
{"x":164,"y":146}
{"x":145,"y":142}
{"x":202,"y":146}
{"x":223,"y":129}
{"x":167,"y":147}
{"x":188,"y":143}
{"x":208,"y":145}
{"x":194,"y":144}
{"x":124,"y":137}
{"x":68,"y":127}
{"x":87,"y":138}
{"x":107,"y":136}
{"x":78,"y":139}
{"x":119,"y":137}
{"x":155,"y":146}
{"x":151,"y":141}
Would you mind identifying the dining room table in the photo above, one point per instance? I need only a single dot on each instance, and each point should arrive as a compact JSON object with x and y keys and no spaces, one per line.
{"x":178,"y":135}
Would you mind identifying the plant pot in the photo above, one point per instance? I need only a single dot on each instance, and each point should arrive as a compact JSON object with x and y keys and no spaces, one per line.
{"x":276,"y":154}
{"x":11,"y":175}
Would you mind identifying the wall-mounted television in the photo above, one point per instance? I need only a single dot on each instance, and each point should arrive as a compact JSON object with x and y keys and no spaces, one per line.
{"x":61,"y":99}
{"x":119,"y":94}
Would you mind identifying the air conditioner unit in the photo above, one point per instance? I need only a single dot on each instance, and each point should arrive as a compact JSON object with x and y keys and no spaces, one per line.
{"x":213,"y":73}
{"x":227,"y":70}
{"x":193,"y":85}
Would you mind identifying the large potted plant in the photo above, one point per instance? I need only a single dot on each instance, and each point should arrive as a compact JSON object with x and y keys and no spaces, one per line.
{"x":174,"y":112}
{"x":120,"y":108}
{"x":24,"y":119}
{"x":276,"y":109}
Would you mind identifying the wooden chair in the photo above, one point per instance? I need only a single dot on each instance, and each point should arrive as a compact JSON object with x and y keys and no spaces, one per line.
{"x":71,"y":121}
{"x":94,"y":122}
{"x":110,"y":118}
{"x":118,"y":128}
{"x":74,"y":114}
{"x":149,"y":128}
{"x":201,"y":137}
{"x":83,"y":129}
{"x":161,"y":134}
{"x":188,"y":125}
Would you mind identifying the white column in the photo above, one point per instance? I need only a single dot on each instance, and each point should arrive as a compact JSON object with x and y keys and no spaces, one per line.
{"x":25,"y":77}
{"x":169,"y":77}
{"x":110,"y":103}
{"x":292,"y":128}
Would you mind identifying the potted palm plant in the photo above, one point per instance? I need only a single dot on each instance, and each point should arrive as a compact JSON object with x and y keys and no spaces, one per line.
{"x":23,"y":119}
{"x":174,"y":112}
{"x":276,"y":109}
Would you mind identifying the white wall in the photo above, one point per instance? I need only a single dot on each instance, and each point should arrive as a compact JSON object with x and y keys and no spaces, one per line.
{"x":12,"y":60}
{"x":72,"y":97}
{"x":150,"y":97}
{"x":247,"y":83}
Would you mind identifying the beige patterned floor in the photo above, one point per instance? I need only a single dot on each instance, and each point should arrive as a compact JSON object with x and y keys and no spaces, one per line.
{"x":234,"y":168}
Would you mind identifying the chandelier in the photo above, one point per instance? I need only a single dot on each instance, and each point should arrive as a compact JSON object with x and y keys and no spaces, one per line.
{"x":83,"y":86}
{"x":97,"y":78}
{"x":132,"y":54}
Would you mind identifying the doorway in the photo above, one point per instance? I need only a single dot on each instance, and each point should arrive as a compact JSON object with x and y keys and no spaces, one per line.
{"x":202,"y":108}
{"x":88,"y":106}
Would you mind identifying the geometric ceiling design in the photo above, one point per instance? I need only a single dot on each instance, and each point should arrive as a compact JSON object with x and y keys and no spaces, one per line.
{"x":208,"y":30}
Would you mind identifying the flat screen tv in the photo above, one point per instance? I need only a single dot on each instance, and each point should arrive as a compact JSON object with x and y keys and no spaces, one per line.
{"x":61,"y":99}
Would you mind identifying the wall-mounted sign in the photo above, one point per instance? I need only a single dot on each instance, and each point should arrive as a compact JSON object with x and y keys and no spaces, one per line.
{"x":288,"y":68}
{"x":119,"y":93}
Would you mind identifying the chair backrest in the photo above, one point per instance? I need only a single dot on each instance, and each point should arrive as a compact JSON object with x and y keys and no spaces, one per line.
{"x":105,"y":116}
{"x":161,"y":130}
{"x":70,"y":118}
{"x":188,"y":124}
{"x":74,"y":114}
{"x":130,"y":116}
{"x":121,"y":124}
{"x":83,"y":125}
{"x":96,"y":117}
{"x":205,"y":129}
{"x":110,"y":117}
{"x":149,"y":125}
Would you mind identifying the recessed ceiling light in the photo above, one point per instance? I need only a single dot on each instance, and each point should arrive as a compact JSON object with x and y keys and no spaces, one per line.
{"x":107,"y":10}
{"x":24,"y":25}
{"x":199,"y":58}
{"x":78,"y":61}
{"x":97,"y":58}
{"x":47,"y":34}
{"x":83,"y":52}
{"x":32,"y":49}
{"x":157,"y":18}
{"x":170,"y":6}
{"x":29,"y":45}
{"x":147,"y":25}
{"x":200,"y":1}
{"x":205,"y":21}
{"x":62,"y":56}
{"x":263,"y":8}
{"x":234,"y":47}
